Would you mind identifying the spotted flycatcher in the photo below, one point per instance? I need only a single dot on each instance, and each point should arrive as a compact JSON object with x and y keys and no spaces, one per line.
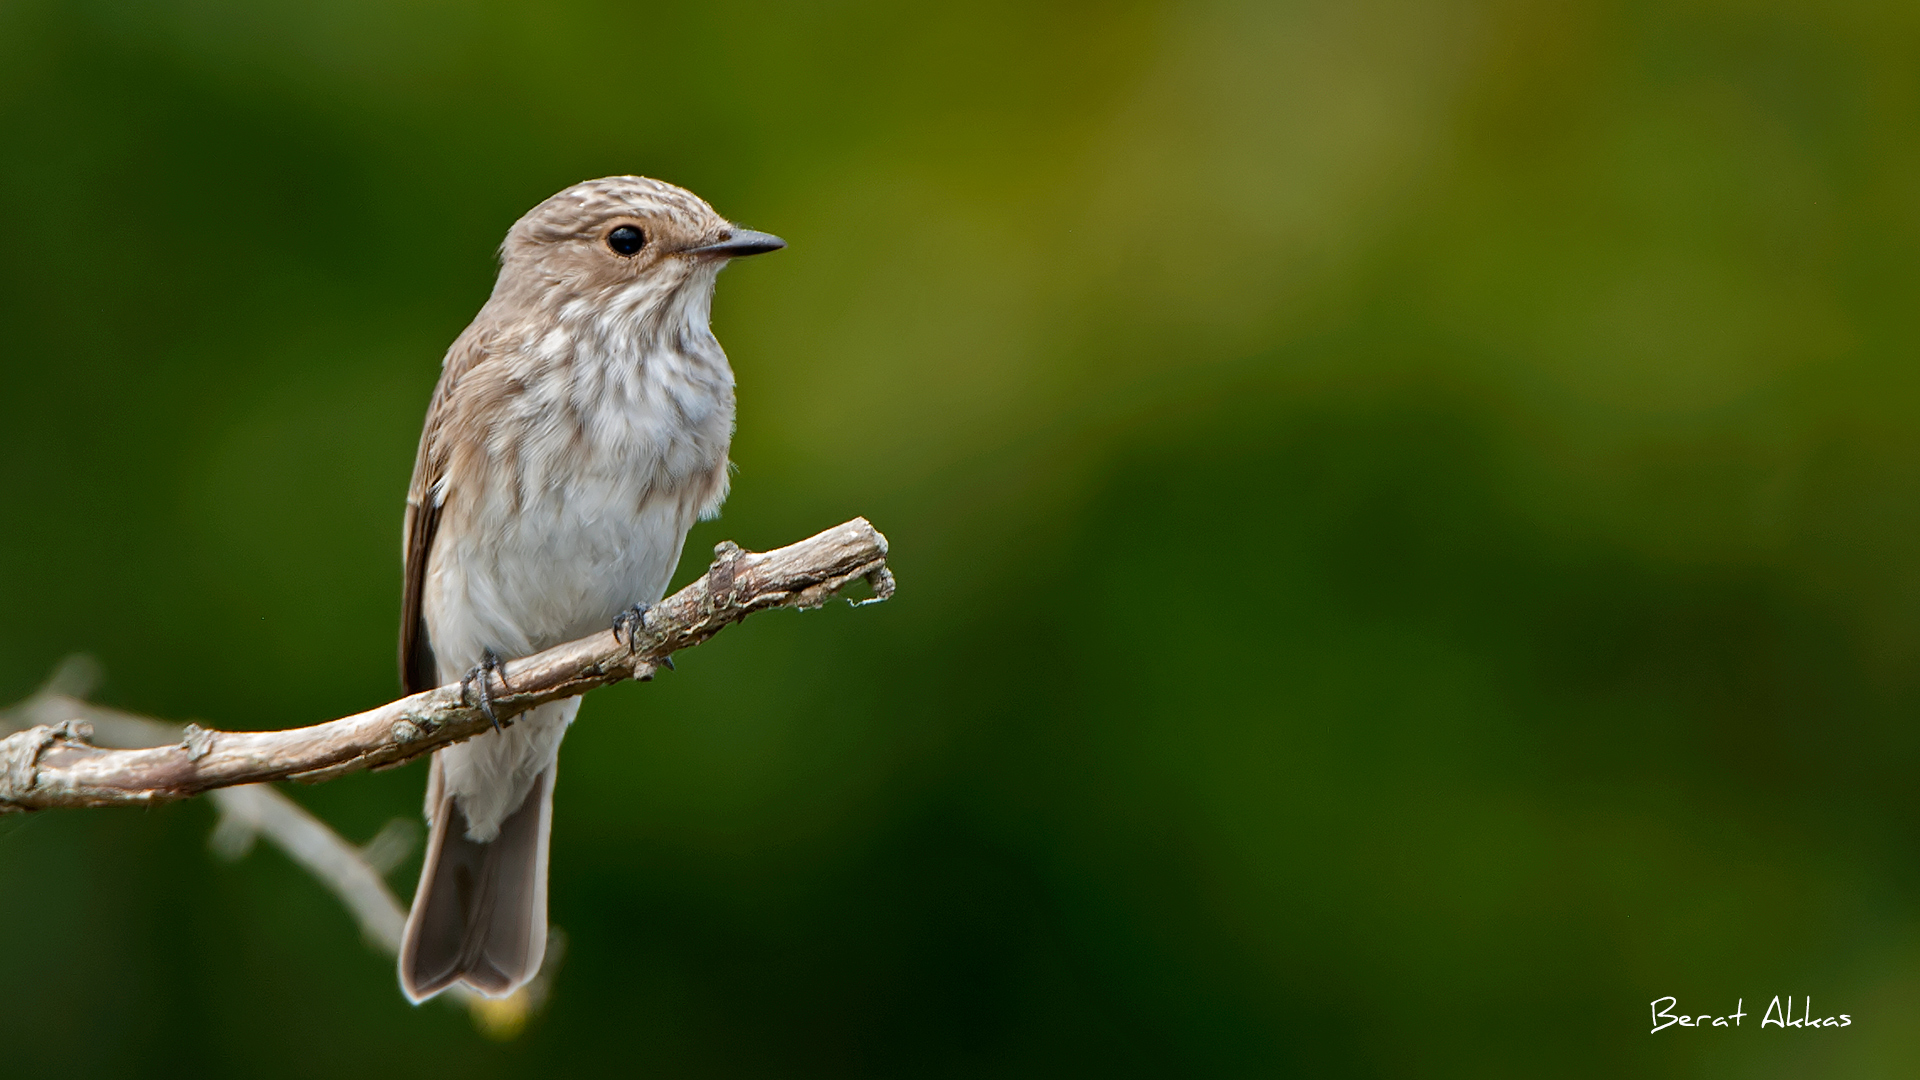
{"x":579,"y":428}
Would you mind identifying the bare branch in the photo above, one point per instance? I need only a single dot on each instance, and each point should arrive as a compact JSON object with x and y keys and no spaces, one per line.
{"x":55,"y":764}
{"x":68,"y":751}
{"x":245,"y":812}
{"x":321,"y":851}
{"x":355,"y":875}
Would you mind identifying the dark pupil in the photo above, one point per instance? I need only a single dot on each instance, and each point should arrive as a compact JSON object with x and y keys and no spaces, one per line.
{"x":626,"y":240}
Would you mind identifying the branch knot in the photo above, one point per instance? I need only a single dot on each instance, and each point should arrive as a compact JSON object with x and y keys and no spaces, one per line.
{"x":197,"y":740}
{"x":720,"y":575}
{"x":20,"y":752}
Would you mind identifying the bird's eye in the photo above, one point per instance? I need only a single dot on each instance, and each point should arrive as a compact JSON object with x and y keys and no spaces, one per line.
{"x":626,"y":240}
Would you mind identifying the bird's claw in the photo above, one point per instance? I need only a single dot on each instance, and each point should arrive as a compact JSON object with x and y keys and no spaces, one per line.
{"x":478,"y":675}
{"x":631,"y":622}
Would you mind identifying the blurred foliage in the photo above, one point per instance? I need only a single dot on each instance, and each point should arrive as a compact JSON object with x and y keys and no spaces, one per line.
{"x":1404,"y":516}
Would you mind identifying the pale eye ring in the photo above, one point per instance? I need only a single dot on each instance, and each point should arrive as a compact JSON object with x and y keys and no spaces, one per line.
{"x":626,"y":241}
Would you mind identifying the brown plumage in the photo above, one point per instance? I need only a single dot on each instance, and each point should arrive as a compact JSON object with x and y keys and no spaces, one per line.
{"x":579,"y":428}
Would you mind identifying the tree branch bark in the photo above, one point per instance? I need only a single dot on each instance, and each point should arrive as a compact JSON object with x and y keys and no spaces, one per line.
{"x":355,"y":875}
{"x":58,"y":765}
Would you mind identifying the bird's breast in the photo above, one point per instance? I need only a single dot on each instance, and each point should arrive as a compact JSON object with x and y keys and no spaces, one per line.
{"x":593,"y":473}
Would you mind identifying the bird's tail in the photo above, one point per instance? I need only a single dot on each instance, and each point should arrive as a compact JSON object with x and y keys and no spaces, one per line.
{"x":480,"y":913}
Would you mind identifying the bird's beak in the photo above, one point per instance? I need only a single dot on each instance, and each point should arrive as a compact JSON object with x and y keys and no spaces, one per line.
{"x":735,"y":243}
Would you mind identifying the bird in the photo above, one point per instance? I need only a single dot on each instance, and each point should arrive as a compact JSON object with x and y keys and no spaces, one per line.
{"x":580,"y":426}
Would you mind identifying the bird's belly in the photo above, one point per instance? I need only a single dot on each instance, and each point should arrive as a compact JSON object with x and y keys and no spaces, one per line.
{"x":557,"y":566}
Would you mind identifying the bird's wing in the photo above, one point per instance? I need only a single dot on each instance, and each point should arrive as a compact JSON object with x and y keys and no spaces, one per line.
{"x":426,"y":497}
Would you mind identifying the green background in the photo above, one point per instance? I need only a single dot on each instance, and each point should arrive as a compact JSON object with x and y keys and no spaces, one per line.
{"x":1404,"y":516}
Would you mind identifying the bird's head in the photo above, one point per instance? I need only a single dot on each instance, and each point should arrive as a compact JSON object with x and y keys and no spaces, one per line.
{"x":626,"y":248}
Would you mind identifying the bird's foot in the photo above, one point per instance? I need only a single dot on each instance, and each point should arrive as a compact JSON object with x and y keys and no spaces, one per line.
{"x":631,"y":623}
{"x":479,"y":675}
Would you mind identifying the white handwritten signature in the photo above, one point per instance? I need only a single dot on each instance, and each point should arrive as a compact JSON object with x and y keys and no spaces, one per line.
{"x":1776,"y":1016}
